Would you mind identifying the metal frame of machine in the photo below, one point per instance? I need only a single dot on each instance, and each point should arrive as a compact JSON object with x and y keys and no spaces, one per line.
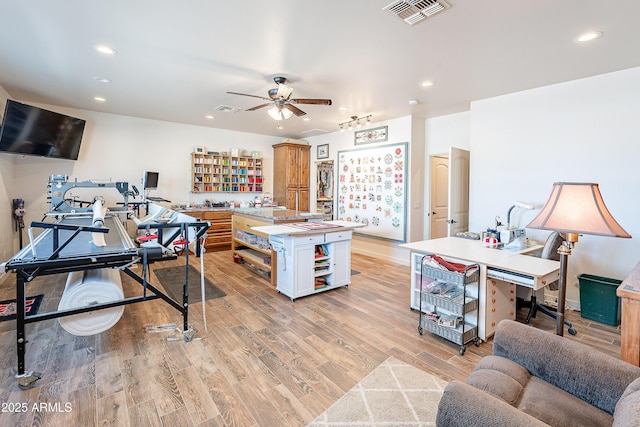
{"x":53,"y":252}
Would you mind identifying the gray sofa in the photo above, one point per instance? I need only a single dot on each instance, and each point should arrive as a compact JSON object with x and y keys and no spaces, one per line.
{"x":536,"y":378}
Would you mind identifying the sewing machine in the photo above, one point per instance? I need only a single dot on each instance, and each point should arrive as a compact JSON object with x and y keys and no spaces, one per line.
{"x":59,"y":185}
{"x":513,"y":237}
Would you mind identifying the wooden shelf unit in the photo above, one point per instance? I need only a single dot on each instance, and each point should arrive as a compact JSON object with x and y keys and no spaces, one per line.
{"x":252,"y":246}
{"x":214,"y":173}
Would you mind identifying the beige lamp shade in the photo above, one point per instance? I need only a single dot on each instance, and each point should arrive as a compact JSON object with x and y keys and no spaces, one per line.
{"x":577,"y":208}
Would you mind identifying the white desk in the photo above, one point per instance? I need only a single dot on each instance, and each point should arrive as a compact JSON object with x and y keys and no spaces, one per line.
{"x":497,"y":298}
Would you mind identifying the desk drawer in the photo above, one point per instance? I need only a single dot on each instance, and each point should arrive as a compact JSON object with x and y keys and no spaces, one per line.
{"x":218,"y":216}
{"x":313,"y":239}
{"x":500,"y":304}
{"x":338,"y":236}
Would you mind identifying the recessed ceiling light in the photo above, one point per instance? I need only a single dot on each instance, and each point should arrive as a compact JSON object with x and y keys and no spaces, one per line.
{"x":209,"y":116}
{"x":102,"y":80}
{"x":343,"y":108}
{"x":306,"y":119}
{"x":105,"y":49}
{"x":99,"y":99}
{"x":426,"y":83}
{"x":587,"y":37}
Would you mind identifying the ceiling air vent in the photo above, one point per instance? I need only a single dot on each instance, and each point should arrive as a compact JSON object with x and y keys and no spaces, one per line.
{"x":228,"y":108}
{"x":414,"y":11}
{"x":315,"y":131}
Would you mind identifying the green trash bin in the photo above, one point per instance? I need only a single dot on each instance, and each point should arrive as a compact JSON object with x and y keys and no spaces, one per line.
{"x":598,"y":299}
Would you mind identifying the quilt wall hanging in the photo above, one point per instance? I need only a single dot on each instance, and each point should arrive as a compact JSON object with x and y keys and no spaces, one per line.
{"x":372,"y":190}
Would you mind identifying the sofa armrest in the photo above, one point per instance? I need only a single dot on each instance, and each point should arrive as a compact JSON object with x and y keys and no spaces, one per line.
{"x":463,"y":405}
{"x":594,"y":377}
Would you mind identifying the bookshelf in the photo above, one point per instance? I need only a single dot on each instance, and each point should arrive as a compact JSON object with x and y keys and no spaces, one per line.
{"x":217,"y":173}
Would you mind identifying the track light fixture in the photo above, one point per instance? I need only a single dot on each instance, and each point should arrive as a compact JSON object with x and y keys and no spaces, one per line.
{"x":355,"y":120}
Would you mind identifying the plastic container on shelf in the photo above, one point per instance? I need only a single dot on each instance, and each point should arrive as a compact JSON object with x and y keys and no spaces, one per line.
{"x":598,"y":299}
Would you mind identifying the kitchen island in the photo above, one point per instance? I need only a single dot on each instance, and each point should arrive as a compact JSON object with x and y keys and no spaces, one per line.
{"x":252,"y":247}
{"x":311,"y":257}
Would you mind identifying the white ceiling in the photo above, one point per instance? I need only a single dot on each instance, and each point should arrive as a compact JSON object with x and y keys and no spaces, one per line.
{"x":177,"y":59}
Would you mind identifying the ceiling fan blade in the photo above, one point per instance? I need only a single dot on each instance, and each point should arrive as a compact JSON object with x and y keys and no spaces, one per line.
{"x":312,"y":101}
{"x":284,"y":91}
{"x":246,"y":94}
{"x":258,"y":107}
{"x":295,"y":110}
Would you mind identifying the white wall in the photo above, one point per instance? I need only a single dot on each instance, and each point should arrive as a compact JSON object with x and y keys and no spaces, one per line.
{"x":582,"y":131}
{"x":121,"y":148}
{"x":399,"y":130}
{"x":7,"y":233}
{"x":442,"y":133}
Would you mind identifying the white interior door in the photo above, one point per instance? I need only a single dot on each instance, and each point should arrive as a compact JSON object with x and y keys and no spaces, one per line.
{"x":458,"y":215}
{"x":439,"y":197}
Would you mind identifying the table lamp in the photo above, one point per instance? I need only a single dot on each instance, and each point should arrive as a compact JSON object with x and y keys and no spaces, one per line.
{"x":574,"y":208}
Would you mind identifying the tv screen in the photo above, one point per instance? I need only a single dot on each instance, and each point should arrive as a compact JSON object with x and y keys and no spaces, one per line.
{"x":151,"y":180}
{"x":38,"y":132}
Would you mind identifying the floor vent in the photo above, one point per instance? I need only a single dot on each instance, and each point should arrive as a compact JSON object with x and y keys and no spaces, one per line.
{"x":228,"y":108}
{"x":414,"y":11}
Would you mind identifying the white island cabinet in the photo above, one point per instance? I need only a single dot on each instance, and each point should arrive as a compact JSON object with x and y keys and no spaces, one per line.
{"x":312,"y":263}
{"x":311,"y":257}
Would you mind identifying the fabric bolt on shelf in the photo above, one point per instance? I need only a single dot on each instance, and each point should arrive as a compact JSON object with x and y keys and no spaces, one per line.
{"x":86,"y":288}
{"x":172,"y":280}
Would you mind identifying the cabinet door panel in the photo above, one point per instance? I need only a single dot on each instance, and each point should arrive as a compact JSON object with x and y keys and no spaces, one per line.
{"x":293,"y":167}
{"x":304,"y":281}
{"x":303,"y":202}
{"x":304,"y":160}
{"x":341,"y":258}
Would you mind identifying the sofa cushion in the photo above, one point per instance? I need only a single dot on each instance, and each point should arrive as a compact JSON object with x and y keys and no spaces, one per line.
{"x":513,"y":384}
{"x":501,"y":377}
{"x":556,"y":407}
{"x":627,"y":412}
{"x":588,"y":374}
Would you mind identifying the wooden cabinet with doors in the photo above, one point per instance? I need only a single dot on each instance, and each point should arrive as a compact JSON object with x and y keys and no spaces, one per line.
{"x":291,"y":163}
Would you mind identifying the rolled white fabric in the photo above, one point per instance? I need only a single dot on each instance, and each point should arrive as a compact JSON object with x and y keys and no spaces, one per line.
{"x":86,"y":288}
{"x":98,"y":221}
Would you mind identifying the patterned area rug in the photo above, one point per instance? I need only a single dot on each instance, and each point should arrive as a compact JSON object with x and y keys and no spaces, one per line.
{"x":8,"y":310}
{"x":393,"y":394}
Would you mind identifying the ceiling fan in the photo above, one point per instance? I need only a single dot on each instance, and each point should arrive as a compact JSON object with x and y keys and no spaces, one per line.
{"x":280,"y":98}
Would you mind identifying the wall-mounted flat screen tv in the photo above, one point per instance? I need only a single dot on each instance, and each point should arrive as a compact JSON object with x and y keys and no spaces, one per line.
{"x":38,"y":132}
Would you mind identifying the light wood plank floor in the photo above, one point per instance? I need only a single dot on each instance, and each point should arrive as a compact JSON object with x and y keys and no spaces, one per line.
{"x":265,"y":361}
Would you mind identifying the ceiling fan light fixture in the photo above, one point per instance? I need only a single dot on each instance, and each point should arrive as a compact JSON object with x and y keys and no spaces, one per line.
{"x":277,"y":113}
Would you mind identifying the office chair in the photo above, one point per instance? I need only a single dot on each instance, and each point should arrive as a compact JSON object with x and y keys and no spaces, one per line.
{"x":549,"y":251}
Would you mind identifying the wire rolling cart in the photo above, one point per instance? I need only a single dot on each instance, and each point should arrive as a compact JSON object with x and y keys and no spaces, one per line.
{"x":455,"y":304}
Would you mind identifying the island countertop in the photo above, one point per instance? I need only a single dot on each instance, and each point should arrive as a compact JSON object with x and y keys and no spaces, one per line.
{"x":277,"y":214}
